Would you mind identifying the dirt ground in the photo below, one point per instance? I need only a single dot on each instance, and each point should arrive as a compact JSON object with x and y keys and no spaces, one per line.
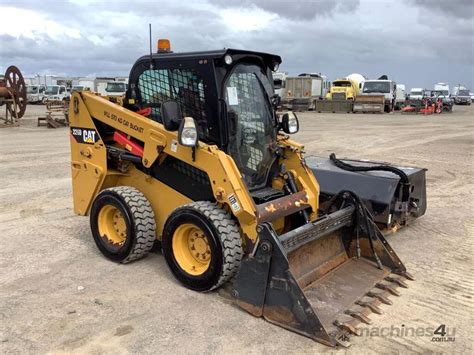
{"x":59,"y":295}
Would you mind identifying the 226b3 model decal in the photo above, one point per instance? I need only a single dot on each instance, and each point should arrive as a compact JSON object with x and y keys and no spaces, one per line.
{"x":84,"y":135}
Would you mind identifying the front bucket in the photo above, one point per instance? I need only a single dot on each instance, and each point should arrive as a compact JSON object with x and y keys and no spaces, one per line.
{"x":322,"y":279}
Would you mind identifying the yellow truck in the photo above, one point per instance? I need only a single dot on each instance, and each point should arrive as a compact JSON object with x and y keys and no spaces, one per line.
{"x":343,"y":89}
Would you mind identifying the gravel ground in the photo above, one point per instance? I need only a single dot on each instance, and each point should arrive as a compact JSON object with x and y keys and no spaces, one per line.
{"x":59,"y":295}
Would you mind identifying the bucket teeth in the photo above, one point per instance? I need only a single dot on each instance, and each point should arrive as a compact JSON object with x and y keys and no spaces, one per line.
{"x":342,"y":339}
{"x":372,"y":305}
{"x":347,"y":327}
{"x":359,"y":316}
{"x":397,"y":280}
{"x":380,"y":296}
{"x":408,"y":276}
{"x":388,"y":288}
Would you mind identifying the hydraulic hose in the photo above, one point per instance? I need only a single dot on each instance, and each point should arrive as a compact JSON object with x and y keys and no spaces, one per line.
{"x":403,"y":177}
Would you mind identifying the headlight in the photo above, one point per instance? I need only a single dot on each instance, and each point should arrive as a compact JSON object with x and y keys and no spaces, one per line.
{"x":187,"y":133}
{"x":275,"y":66}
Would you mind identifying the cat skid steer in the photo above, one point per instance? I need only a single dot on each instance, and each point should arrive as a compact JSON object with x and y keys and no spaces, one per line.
{"x":196,"y":158}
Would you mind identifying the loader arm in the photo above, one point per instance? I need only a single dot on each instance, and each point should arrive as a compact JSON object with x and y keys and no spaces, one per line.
{"x":89,"y":160}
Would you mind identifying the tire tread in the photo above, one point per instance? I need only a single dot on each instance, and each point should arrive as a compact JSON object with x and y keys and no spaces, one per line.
{"x":144,"y":221}
{"x":229,"y":235}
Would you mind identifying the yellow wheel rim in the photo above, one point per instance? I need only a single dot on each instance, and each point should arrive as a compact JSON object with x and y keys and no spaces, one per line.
{"x":112,"y":225}
{"x":191,"y":249}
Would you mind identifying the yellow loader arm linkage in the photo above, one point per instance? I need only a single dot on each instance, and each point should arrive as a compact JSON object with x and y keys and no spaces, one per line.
{"x":90,"y":172}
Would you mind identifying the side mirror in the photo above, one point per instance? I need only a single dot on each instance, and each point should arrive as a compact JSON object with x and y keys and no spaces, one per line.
{"x":171,"y":114}
{"x":289,"y":123}
{"x":187,"y":134}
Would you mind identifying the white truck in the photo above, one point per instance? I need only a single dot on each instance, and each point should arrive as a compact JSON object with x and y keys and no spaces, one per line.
{"x":115,"y":88}
{"x":56,"y":93}
{"x":279,"y":79}
{"x":35,"y":93}
{"x":416,"y":94}
{"x":400,"y":97}
{"x":442,"y":87}
{"x":383,"y":87}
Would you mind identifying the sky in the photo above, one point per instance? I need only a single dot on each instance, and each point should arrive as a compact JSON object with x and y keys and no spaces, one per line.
{"x":415,"y":42}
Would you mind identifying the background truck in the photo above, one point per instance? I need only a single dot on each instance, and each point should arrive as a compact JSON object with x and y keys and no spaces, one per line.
{"x":279,"y":79}
{"x":461,"y":95}
{"x":443,"y":95}
{"x":35,"y":93}
{"x":343,"y":89}
{"x":381,"y":87}
{"x":443,"y":87}
{"x":115,"y":88}
{"x":416,"y":94}
{"x":301,"y":92}
{"x":401,"y":97}
{"x":56,"y":93}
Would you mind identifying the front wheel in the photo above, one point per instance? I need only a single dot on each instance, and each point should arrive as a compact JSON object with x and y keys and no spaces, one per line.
{"x":202,"y":245}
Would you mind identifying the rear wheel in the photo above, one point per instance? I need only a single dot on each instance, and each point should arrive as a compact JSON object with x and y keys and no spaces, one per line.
{"x":202,"y":245}
{"x":123,"y":224}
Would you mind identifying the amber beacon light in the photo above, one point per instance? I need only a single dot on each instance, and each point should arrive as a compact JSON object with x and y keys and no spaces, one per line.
{"x":164,"y":46}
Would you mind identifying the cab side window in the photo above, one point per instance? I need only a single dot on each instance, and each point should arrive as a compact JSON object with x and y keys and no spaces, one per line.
{"x":184,"y":86}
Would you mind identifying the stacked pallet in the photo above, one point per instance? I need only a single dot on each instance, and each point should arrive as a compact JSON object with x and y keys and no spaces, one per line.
{"x":56,"y":115}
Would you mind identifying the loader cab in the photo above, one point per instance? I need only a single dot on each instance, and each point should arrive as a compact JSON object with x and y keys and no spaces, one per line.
{"x":227,"y":92}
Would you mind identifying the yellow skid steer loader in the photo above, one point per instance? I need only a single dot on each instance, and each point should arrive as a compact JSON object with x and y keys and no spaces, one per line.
{"x":195,"y":157}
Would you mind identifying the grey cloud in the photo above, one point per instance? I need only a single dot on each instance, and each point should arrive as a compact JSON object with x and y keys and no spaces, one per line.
{"x":297,"y":10}
{"x":420,"y":52}
{"x":455,"y":8}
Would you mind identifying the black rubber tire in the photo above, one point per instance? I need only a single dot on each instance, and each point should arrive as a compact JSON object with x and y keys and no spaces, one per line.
{"x":139,"y":219}
{"x":224,"y":240}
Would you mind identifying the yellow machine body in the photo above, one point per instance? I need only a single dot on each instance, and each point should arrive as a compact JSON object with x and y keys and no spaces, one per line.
{"x":90,"y":173}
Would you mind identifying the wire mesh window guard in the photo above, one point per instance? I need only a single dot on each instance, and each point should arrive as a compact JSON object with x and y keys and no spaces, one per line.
{"x":181,"y":85}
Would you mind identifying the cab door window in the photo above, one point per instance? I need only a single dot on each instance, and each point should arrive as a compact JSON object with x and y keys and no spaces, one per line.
{"x":184,"y":86}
